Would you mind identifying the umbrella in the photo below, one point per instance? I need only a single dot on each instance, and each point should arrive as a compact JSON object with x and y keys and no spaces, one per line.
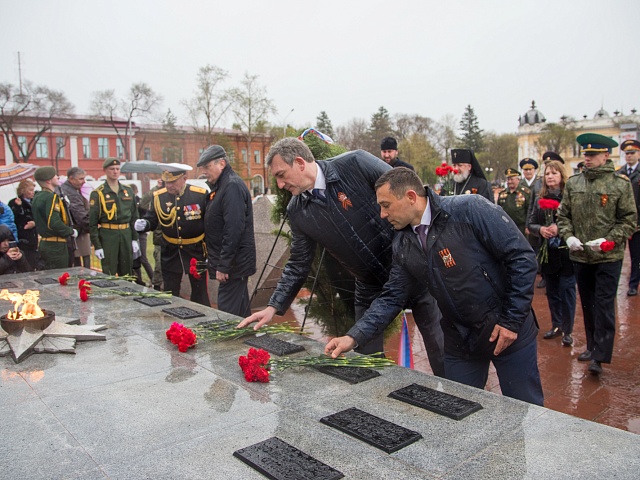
{"x":141,"y":166}
{"x":15,"y":172}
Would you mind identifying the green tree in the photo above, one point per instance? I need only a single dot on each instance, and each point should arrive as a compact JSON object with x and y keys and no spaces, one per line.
{"x":323,"y":123}
{"x":172,"y":141}
{"x":418,"y":151}
{"x":471,"y":133}
{"x":380,"y":126}
{"x":555,"y":137}
{"x":501,"y":152}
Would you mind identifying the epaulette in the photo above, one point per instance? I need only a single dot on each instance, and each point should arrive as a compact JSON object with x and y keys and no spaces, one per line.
{"x":622,"y":174}
{"x":160,"y":191}
{"x":526,"y":190}
{"x":100,"y":187}
{"x":197,"y":189}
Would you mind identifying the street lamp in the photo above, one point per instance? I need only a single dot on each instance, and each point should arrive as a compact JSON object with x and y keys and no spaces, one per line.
{"x":284,"y":122}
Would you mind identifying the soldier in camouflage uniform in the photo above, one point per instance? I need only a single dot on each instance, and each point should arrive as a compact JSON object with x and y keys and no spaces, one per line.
{"x":515,"y":199}
{"x":596,"y":216}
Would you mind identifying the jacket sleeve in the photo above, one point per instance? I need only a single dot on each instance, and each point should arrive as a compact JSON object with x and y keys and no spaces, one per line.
{"x":94,"y":218}
{"x":626,"y":216}
{"x":134,"y":215}
{"x":487,"y":192}
{"x":150,"y":214}
{"x":532,"y":220}
{"x":565,"y":224}
{"x":235,"y":203}
{"x":78,"y":211}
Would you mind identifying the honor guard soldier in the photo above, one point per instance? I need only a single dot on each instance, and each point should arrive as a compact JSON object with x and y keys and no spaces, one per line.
{"x":112,"y":214}
{"x":631,"y":149}
{"x":470,"y":178}
{"x":515,"y":199}
{"x":52,"y":220}
{"x":597,"y":215}
{"x":178,"y":208}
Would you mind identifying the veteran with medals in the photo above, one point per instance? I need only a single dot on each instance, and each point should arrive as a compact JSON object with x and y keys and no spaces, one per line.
{"x":178,"y":208}
{"x":112,"y":213}
{"x":515,"y":199}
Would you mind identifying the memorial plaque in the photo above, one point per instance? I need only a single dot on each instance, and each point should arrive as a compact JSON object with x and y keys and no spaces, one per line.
{"x":128,"y":290}
{"x":183,"y":313}
{"x":352,"y":375}
{"x":274,"y":345}
{"x":278,"y":460}
{"x":152,"y":301}
{"x":435,"y":401}
{"x":46,"y":281}
{"x":8,"y":285}
{"x":373,"y":430}
{"x":103,"y":283}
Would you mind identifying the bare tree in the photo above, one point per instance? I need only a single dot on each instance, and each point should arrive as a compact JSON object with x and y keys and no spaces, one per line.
{"x":354,"y":135}
{"x":556,"y":137}
{"x":210,"y":102}
{"x":141,"y":102}
{"x":251,"y":108}
{"x":443,"y":136}
{"x":37,"y":104}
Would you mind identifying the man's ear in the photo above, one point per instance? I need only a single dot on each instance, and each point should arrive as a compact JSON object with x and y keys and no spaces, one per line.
{"x":299,"y":161}
{"x":412,"y":196}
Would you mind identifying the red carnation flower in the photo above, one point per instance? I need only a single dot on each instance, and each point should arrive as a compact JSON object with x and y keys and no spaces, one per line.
{"x":64,"y":278}
{"x":548,"y":204}
{"x":607,"y":246}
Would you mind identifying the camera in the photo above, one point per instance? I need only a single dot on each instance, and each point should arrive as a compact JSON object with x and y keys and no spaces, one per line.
{"x":13,"y":244}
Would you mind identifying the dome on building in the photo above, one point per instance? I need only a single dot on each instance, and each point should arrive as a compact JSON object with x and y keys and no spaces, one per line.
{"x":601,"y":113}
{"x":532,"y":117}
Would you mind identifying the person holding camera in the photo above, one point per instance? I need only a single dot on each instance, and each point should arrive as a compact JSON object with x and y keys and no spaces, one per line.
{"x":11,"y":258}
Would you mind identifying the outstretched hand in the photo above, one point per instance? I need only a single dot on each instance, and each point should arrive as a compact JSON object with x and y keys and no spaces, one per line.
{"x":339,"y":345}
{"x":262,"y":317}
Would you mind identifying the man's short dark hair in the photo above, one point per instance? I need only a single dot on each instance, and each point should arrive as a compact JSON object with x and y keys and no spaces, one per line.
{"x":400,"y":181}
{"x":75,"y":171}
{"x":289,"y":148}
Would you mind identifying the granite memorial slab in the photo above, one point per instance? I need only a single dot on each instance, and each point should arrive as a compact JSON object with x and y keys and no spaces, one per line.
{"x":152,"y":301}
{"x":103,"y":283}
{"x":183,"y":313}
{"x":8,"y":285}
{"x":438,"y":402}
{"x":128,"y":290}
{"x":278,"y":460}
{"x":46,"y":281}
{"x":387,"y":436}
{"x":274,"y":345}
{"x":351,"y":375}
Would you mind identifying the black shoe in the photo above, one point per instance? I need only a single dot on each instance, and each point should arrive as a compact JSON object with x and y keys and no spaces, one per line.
{"x":595,"y":367}
{"x":553,"y":333}
{"x":567,"y":341}
{"x":585,"y":356}
{"x":632,"y":292}
{"x":541,"y":284}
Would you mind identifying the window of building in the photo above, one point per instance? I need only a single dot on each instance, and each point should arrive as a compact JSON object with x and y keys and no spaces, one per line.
{"x":86,"y":147}
{"x":231,"y":155}
{"x":103,"y":147}
{"x":42,"y":148}
{"x":147,"y":153}
{"x":119,"y":149}
{"x":171,"y":154}
{"x":256,"y":156}
{"x":244,"y":155}
{"x":22,"y":145}
{"x":60,"y":144}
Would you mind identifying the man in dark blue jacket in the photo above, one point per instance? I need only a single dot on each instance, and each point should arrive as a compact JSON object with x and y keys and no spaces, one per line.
{"x":334,"y":205}
{"x":481,"y":271}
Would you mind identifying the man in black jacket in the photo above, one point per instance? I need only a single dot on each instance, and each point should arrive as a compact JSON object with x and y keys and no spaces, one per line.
{"x":334,"y":205}
{"x":481,"y":271}
{"x":389,"y":153}
{"x":231,"y":244}
{"x":631,"y":149}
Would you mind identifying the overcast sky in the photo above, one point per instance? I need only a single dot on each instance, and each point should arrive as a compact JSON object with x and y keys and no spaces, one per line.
{"x":345,"y":57}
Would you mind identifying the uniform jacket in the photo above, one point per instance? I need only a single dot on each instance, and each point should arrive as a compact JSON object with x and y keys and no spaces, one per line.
{"x":188,"y":225}
{"x":516,"y":204}
{"x":228,"y":221}
{"x":473,"y":184}
{"x":598,"y":203}
{"x":121,"y":207}
{"x":478,"y":267}
{"x":51,"y":215}
{"x":22,"y":214}
{"x":346,"y":223}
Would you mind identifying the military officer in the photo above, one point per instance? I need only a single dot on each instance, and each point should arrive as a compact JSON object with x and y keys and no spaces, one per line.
{"x":597,"y":215}
{"x":52,"y":219}
{"x":112,"y":214}
{"x":631,"y":149}
{"x":515,"y":199}
{"x":179,"y":210}
{"x":470,"y":177}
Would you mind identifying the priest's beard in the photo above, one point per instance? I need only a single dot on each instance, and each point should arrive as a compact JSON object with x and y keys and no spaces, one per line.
{"x":461,"y":177}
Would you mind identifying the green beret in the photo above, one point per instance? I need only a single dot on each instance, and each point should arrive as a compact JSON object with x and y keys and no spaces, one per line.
{"x":43,"y":174}
{"x":110,"y":162}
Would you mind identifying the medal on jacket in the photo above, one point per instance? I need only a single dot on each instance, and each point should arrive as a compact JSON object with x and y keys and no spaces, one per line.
{"x":447,"y":258}
{"x":346,"y":203}
{"x":211,"y":195}
{"x":604,"y":198}
{"x":474,"y":190}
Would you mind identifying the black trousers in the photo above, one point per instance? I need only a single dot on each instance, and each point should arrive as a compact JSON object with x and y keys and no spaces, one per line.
{"x":598,"y":285}
{"x":233,"y":297}
{"x":634,"y":250}
{"x":172,"y":281}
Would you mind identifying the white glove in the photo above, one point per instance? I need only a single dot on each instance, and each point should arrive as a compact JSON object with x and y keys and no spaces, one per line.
{"x":140,"y":225}
{"x":100,"y":254}
{"x":135,"y":246}
{"x":574,"y":244}
{"x":595,"y":244}
{"x":75,"y":233}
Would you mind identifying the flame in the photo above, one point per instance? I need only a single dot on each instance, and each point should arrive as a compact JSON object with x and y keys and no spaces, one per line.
{"x":29,"y":302}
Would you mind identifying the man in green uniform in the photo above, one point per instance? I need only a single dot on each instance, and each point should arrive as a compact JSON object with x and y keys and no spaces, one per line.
{"x":52,"y":219}
{"x":515,"y":199}
{"x":112,"y":214}
{"x":596,"y":216}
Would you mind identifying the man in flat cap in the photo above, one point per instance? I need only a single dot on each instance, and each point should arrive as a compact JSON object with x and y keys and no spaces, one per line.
{"x":112,"y":214}
{"x":631,"y":149}
{"x":596,"y":216}
{"x":52,"y":219}
{"x":470,"y":178}
{"x":228,"y":225}
{"x":515,"y":199}
{"x":178,"y":209}
{"x":389,"y":153}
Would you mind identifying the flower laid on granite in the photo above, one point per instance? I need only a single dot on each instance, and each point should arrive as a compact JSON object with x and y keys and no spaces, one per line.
{"x":85,"y":292}
{"x":65,"y":277}
{"x":181,"y":336}
{"x":446,"y":172}
{"x":257,"y":364}
{"x":225,"y":330}
{"x":196,"y":272}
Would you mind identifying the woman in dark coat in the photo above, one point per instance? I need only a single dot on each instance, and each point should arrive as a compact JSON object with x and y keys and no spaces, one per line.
{"x":555,"y":265}
{"x":12,"y":259}
{"x":27,"y":233}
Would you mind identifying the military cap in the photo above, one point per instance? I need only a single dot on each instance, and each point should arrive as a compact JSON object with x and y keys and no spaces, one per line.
{"x":548,"y":156}
{"x":388,"y":143}
{"x":528,"y":164}
{"x":109,"y":162}
{"x":213,"y":152}
{"x":511,"y":172}
{"x":630,"y":145}
{"x":595,"y":143}
{"x":43,"y":174}
{"x":173,"y":171}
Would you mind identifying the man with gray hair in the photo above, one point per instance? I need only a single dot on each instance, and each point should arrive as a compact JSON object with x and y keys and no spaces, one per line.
{"x":79,"y":210}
